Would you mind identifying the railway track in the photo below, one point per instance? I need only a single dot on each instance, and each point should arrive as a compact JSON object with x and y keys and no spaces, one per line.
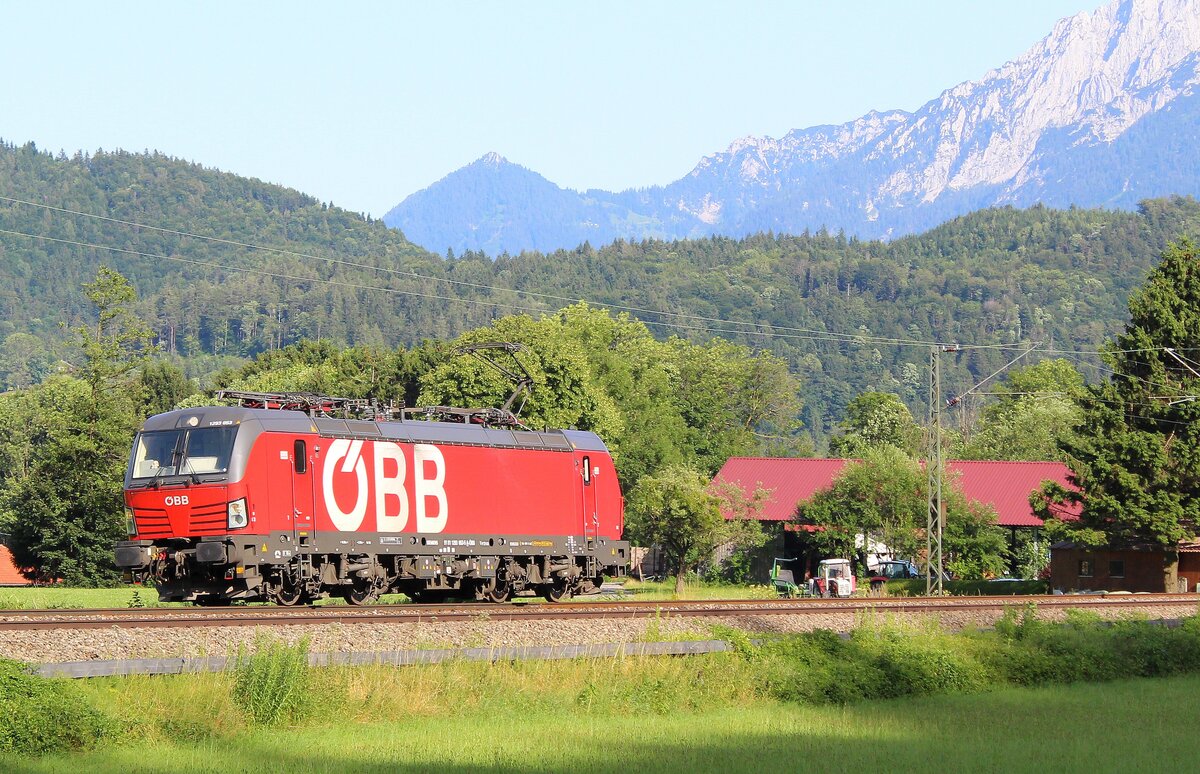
{"x":15,"y":620}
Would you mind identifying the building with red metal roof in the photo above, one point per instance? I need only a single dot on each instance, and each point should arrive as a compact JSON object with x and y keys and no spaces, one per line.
{"x":10,"y":574}
{"x":1005,"y":486}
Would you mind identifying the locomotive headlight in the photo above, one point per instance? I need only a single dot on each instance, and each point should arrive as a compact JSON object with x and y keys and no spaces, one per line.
{"x":130,"y":522}
{"x":237,"y":514}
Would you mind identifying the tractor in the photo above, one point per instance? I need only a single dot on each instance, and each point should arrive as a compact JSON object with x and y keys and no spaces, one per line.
{"x":834,"y":579}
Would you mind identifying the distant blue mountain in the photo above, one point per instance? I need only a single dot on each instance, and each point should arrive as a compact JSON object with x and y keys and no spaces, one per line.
{"x":1104,"y":111}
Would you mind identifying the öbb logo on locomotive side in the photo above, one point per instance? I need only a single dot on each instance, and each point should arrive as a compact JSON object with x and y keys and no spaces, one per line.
{"x":387,"y":483}
{"x":175,"y":500}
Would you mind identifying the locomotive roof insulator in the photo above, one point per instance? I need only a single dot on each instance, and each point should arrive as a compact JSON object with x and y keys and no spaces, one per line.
{"x":316,"y":405}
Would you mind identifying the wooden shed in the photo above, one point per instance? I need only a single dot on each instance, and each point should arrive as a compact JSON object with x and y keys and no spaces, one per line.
{"x":1130,"y":568}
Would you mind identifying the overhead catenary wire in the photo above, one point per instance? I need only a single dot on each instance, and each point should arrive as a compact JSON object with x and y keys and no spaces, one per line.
{"x":751,"y":328}
{"x":1112,"y":372}
{"x":813,"y":333}
{"x":993,"y":375}
{"x":396,"y":291}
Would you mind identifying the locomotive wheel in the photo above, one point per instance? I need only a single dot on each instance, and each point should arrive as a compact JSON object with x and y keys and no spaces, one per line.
{"x":286,"y":593}
{"x":556,"y":591}
{"x":365,"y":594}
{"x":288,"y":597}
{"x":363,"y":597}
{"x":427,"y":596}
{"x":499,"y":593}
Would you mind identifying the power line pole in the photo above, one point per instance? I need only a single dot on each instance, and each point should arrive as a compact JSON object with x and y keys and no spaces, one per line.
{"x":934,"y":465}
{"x":933,"y":470}
{"x":935,"y":460}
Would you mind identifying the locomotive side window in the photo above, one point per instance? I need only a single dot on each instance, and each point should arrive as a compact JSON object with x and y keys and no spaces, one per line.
{"x":300,"y":455}
{"x":587,"y":470}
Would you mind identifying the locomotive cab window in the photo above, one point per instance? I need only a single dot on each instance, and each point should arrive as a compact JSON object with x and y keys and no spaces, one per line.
{"x":300,"y":455}
{"x":587,"y":470}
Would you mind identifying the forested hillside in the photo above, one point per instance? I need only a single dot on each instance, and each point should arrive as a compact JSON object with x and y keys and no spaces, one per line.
{"x":827,"y":304}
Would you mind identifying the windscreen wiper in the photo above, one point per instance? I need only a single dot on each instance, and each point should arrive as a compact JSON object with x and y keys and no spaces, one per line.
{"x":191,"y":471}
{"x":176,"y":456}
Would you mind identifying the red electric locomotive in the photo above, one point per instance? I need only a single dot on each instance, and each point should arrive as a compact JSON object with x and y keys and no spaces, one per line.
{"x":286,"y":498}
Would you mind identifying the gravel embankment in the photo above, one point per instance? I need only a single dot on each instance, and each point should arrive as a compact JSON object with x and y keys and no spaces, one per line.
{"x":117,"y":643}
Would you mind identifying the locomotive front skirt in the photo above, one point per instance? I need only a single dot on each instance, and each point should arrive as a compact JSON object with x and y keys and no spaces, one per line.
{"x":237,"y":503}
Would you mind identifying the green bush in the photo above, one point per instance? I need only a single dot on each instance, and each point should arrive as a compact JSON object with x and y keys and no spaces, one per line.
{"x":820,"y":667}
{"x":1086,"y":647}
{"x":926,"y":666}
{"x":40,"y":715}
{"x":915,"y":587}
{"x":881,"y":661}
{"x":271,"y":685}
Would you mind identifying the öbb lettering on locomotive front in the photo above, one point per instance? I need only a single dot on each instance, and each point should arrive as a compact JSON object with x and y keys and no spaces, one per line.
{"x":345,"y":482}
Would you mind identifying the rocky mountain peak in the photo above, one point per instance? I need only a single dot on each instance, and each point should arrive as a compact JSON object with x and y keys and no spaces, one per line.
{"x":1099,"y":112}
{"x":491,"y":159}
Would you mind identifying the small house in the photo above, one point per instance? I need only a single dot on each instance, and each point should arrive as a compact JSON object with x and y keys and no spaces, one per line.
{"x":1131,"y":568}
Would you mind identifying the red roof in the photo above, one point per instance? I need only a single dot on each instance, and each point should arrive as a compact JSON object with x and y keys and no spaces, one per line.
{"x":1005,"y":486}
{"x":10,"y":575}
{"x":792,"y":480}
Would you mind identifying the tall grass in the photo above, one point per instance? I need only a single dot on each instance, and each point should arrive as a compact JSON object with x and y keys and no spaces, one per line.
{"x":271,"y":685}
{"x":1147,"y":726}
{"x":881,"y":660}
{"x":39,"y":715}
{"x":694,"y":589}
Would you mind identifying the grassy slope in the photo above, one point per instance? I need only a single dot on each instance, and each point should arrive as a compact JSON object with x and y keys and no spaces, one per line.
{"x":1138,"y":725}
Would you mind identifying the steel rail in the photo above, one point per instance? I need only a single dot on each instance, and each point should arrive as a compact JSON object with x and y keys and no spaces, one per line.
{"x":433,"y":613}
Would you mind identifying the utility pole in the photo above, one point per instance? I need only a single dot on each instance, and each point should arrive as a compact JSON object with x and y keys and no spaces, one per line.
{"x":933,"y":470}
{"x":934,"y":465}
{"x":935,"y":462}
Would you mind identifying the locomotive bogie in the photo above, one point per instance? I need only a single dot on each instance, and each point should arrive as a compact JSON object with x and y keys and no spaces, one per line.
{"x":244,"y":570}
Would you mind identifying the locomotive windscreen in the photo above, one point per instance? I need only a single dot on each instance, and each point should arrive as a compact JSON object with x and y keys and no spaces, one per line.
{"x":199,"y":451}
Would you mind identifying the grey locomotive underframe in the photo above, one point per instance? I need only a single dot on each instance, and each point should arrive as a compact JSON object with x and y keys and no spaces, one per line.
{"x":321,"y":563}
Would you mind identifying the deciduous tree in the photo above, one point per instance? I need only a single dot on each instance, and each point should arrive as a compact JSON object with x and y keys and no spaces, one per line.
{"x":1034,"y":416}
{"x":883,"y":497}
{"x":675,"y":510}
{"x":874,"y":420}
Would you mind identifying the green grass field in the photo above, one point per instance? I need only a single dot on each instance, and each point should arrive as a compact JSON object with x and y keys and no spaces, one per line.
{"x":1136,"y":725}
{"x":57,"y":597}
{"x":891,"y":696}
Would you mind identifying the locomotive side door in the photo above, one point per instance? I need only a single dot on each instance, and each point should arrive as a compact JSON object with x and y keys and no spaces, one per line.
{"x":302,"y":492}
{"x":591,"y":513}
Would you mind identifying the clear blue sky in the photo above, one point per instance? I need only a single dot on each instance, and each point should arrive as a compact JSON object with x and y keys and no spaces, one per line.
{"x":364,"y":103}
